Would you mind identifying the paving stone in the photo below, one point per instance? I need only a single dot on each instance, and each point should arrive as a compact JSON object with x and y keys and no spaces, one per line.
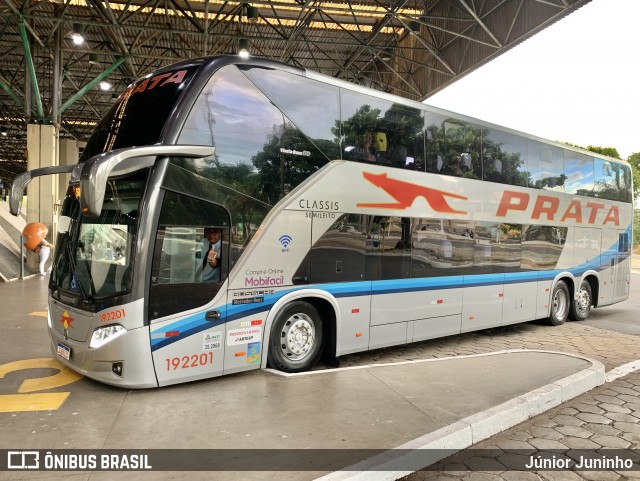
{"x":627,"y":418}
{"x":455,"y":469}
{"x":610,"y":441}
{"x":602,"y":429}
{"x":599,"y":475}
{"x":542,"y":443}
{"x":634,"y":438}
{"x":579,"y":443}
{"x":515,"y":462}
{"x":568,"y":420}
{"x":559,"y":476}
{"x":593,"y":418}
{"x":624,"y":390}
{"x":520,"y":436}
{"x":609,"y":399}
{"x":430,"y":476}
{"x":615,"y":408}
{"x":632,"y":406}
{"x":588,"y":408}
{"x":545,"y":423}
{"x":546,"y":433}
{"x":607,"y":391}
{"x":520,"y":476}
{"x":481,"y":463}
{"x":629,"y":474}
{"x":481,"y":477}
{"x":569,"y":411}
{"x":574,"y":431}
{"x":514,"y":445}
{"x":627,"y":427}
{"x":629,"y":399}
{"x":578,"y":454}
{"x":620,"y":383}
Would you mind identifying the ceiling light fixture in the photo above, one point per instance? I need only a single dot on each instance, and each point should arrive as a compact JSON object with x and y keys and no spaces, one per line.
{"x":252,"y":14}
{"x":78,"y":34}
{"x":105,"y":86}
{"x":243,"y":48}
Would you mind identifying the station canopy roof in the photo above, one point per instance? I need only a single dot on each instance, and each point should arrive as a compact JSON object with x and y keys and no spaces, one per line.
{"x":409,"y":48}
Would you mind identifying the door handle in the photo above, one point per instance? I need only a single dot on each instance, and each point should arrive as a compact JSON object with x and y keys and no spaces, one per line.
{"x":212,"y":315}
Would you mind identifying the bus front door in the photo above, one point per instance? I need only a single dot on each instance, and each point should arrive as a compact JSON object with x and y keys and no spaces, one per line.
{"x":186,"y":304}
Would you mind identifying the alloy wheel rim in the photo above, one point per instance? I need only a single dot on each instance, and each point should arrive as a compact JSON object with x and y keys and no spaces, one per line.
{"x":297,"y":337}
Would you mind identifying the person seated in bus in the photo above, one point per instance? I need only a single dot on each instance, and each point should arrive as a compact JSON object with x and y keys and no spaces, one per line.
{"x":211,"y":246}
{"x":367,"y":152}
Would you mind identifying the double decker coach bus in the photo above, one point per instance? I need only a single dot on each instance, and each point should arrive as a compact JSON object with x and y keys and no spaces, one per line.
{"x":347,"y":219}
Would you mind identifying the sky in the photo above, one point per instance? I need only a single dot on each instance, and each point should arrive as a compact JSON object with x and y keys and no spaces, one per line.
{"x":576,"y":81}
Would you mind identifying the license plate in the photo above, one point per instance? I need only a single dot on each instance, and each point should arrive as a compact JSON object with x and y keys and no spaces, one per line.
{"x":64,"y":351}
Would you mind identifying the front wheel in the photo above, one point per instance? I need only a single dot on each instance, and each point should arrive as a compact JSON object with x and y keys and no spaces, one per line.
{"x":581,"y":305}
{"x":296,"y":338}
{"x":560,"y":301}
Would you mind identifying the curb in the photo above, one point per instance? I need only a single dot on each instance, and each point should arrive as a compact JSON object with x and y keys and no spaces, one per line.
{"x":444,"y":442}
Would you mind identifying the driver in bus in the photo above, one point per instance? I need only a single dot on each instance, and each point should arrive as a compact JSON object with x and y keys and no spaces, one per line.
{"x":211,"y":260}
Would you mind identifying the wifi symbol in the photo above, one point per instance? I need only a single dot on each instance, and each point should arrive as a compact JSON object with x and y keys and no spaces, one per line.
{"x":285,"y":240}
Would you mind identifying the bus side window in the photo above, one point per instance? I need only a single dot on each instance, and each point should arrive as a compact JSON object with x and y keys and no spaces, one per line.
{"x":191,"y":255}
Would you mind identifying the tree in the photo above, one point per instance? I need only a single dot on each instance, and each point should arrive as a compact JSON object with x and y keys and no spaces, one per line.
{"x":634,"y":160}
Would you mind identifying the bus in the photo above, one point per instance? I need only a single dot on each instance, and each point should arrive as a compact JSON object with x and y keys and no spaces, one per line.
{"x":343,"y":219}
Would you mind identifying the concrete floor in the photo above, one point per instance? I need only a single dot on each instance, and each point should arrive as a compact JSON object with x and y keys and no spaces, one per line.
{"x":358,"y":408}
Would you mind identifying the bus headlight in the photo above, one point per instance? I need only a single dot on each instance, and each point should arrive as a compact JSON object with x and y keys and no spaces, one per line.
{"x":103,"y":335}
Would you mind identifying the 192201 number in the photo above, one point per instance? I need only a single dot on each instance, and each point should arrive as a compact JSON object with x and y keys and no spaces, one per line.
{"x":112,"y":315}
{"x":186,"y":362}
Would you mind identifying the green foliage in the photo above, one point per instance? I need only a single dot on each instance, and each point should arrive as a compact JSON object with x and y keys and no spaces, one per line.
{"x":608,"y":151}
{"x":634,"y":160}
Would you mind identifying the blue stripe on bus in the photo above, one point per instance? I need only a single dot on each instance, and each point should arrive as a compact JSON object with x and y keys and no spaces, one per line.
{"x":196,"y":323}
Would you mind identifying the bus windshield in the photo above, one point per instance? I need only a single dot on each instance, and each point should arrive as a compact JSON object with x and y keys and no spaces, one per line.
{"x":94,"y":259}
{"x":140,"y":113}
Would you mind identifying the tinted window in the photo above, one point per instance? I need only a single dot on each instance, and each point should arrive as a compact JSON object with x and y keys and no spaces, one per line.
{"x":339,"y":255}
{"x":441,"y":248}
{"x":578,"y":169}
{"x":541,"y":246}
{"x":181,"y":277}
{"x":140,"y":113}
{"x":497,"y":247}
{"x":378,"y":131}
{"x":312,"y":106}
{"x":454,"y":147}
{"x":546,"y":166}
{"x":612,"y":180}
{"x":259,"y":151}
{"x":504,"y":158}
{"x":247,"y":212}
{"x":389,"y":248}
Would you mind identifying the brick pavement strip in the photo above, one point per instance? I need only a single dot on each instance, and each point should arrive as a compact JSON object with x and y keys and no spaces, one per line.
{"x":610,"y":348}
{"x":584,"y":427}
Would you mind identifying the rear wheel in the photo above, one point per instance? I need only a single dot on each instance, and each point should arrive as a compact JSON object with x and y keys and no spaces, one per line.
{"x":560,"y":302}
{"x":581,"y":305}
{"x":296,"y":338}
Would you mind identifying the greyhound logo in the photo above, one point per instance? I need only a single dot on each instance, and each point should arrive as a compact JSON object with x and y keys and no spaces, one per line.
{"x":406,"y":193}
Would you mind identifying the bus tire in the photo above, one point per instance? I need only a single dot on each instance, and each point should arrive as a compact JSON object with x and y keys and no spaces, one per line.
{"x":560,"y":303}
{"x":581,"y":305}
{"x":295,"y":344}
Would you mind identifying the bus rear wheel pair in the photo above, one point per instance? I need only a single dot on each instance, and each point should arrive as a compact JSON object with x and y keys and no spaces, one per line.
{"x":295,"y":344}
{"x":563,"y":308}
